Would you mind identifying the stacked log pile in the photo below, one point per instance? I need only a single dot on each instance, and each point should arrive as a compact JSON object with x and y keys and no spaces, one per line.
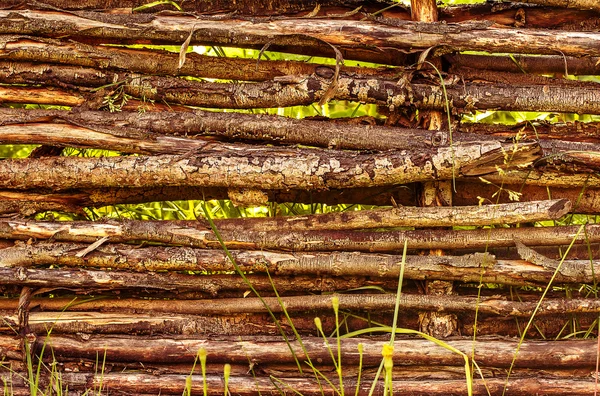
{"x":483,"y":224}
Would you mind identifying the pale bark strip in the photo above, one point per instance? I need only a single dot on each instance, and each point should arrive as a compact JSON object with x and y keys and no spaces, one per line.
{"x":266,"y":168}
{"x":209,"y":284}
{"x":298,"y":32}
{"x":356,"y":302}
{"x":160,"y":62}
{"x":68,"y":135}
{"x":136,"y":383}
{"x":469,"y":268}
{"x":413,"y":351}
{"x":543,"y":94}
{"x":242,"y":324}
{"x":406,"y":217}
{"x":194,"y":234}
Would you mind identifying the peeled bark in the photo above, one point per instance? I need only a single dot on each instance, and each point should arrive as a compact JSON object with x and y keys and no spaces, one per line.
{"x":579,"y":4}
{"x":473,"y":268}
{"x":265,"y":168}
{"x":194,"y":234}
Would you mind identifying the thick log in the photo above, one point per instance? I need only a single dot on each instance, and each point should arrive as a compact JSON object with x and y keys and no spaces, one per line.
{"x":409,"y":351}
{"x":544,"y":95}
{"x":470,"y":268}
{"x":208,"y":284}
{"x":297,"y":32}
{"x":266,"y":168}
{"x":194,"y":234}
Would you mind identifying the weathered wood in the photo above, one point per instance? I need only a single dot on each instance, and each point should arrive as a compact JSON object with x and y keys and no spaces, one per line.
{"x":469,"y":268}
{"x":294,"y":32}
{"x":266,"y":168}
{"x":251,"y":305}
{"x":579,"y":4}
{"x":124,"y":61}
{"x":413,"y":351}
{"x":208,"y":284}
{"x":547,"y":95}
{"x":246,"y":385}
{"x":194,"y":234}
{"x":544,"y":64}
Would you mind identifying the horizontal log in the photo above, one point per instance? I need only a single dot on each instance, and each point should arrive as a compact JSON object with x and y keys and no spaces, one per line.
{"x":266,"y":168}
{"x":207,"y":284}
{"x":28,"y":203}
{"x":579,"y":4}
{"x":410,"y":351}
{"x":175,"y":384}
{"x":495,"y":305}
{"x":233,"y":126}
{"x":123,"y":61}
{"x":545,"y":95}
{"x":153,"y":324}
{"x":297,"y":32}
{"x":469,"y":268}
{"x":530,"y":15}
{"x":406,"y":216}
{"x":194,"y":234}
{"x":542,"y":64}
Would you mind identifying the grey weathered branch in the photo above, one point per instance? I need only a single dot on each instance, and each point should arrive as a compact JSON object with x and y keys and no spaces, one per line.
{"x":267,"y":168}
{"x":194,"y":234}
{"x":469,"y":268}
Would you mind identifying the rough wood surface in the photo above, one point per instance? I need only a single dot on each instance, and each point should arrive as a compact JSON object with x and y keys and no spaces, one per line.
{"x":545,"y":95}
{"x":194,"y":234}
{"x":267,"y":168}
{"x":294,"y":32}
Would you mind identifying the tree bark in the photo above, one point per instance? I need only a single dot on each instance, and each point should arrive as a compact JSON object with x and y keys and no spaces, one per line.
{"x":413,"y":351}
{"x":299,"y":33}
{"x":545,"y":64}
{"x":160,"y":62}
{"x":173,"y":384}
{"x":208,"y":284}
{"x":469,"y":268}
{"x":579,"y":4}
{"x":499,"y":306}
{"x":266,"y":168}
{"x":544,"y":94}
{"x":194,"y":234}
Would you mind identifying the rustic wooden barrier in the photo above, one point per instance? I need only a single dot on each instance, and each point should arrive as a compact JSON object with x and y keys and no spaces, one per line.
{"x":490,"y":304}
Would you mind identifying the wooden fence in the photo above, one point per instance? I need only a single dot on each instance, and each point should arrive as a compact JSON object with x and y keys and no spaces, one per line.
{"x":475,"y":136}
